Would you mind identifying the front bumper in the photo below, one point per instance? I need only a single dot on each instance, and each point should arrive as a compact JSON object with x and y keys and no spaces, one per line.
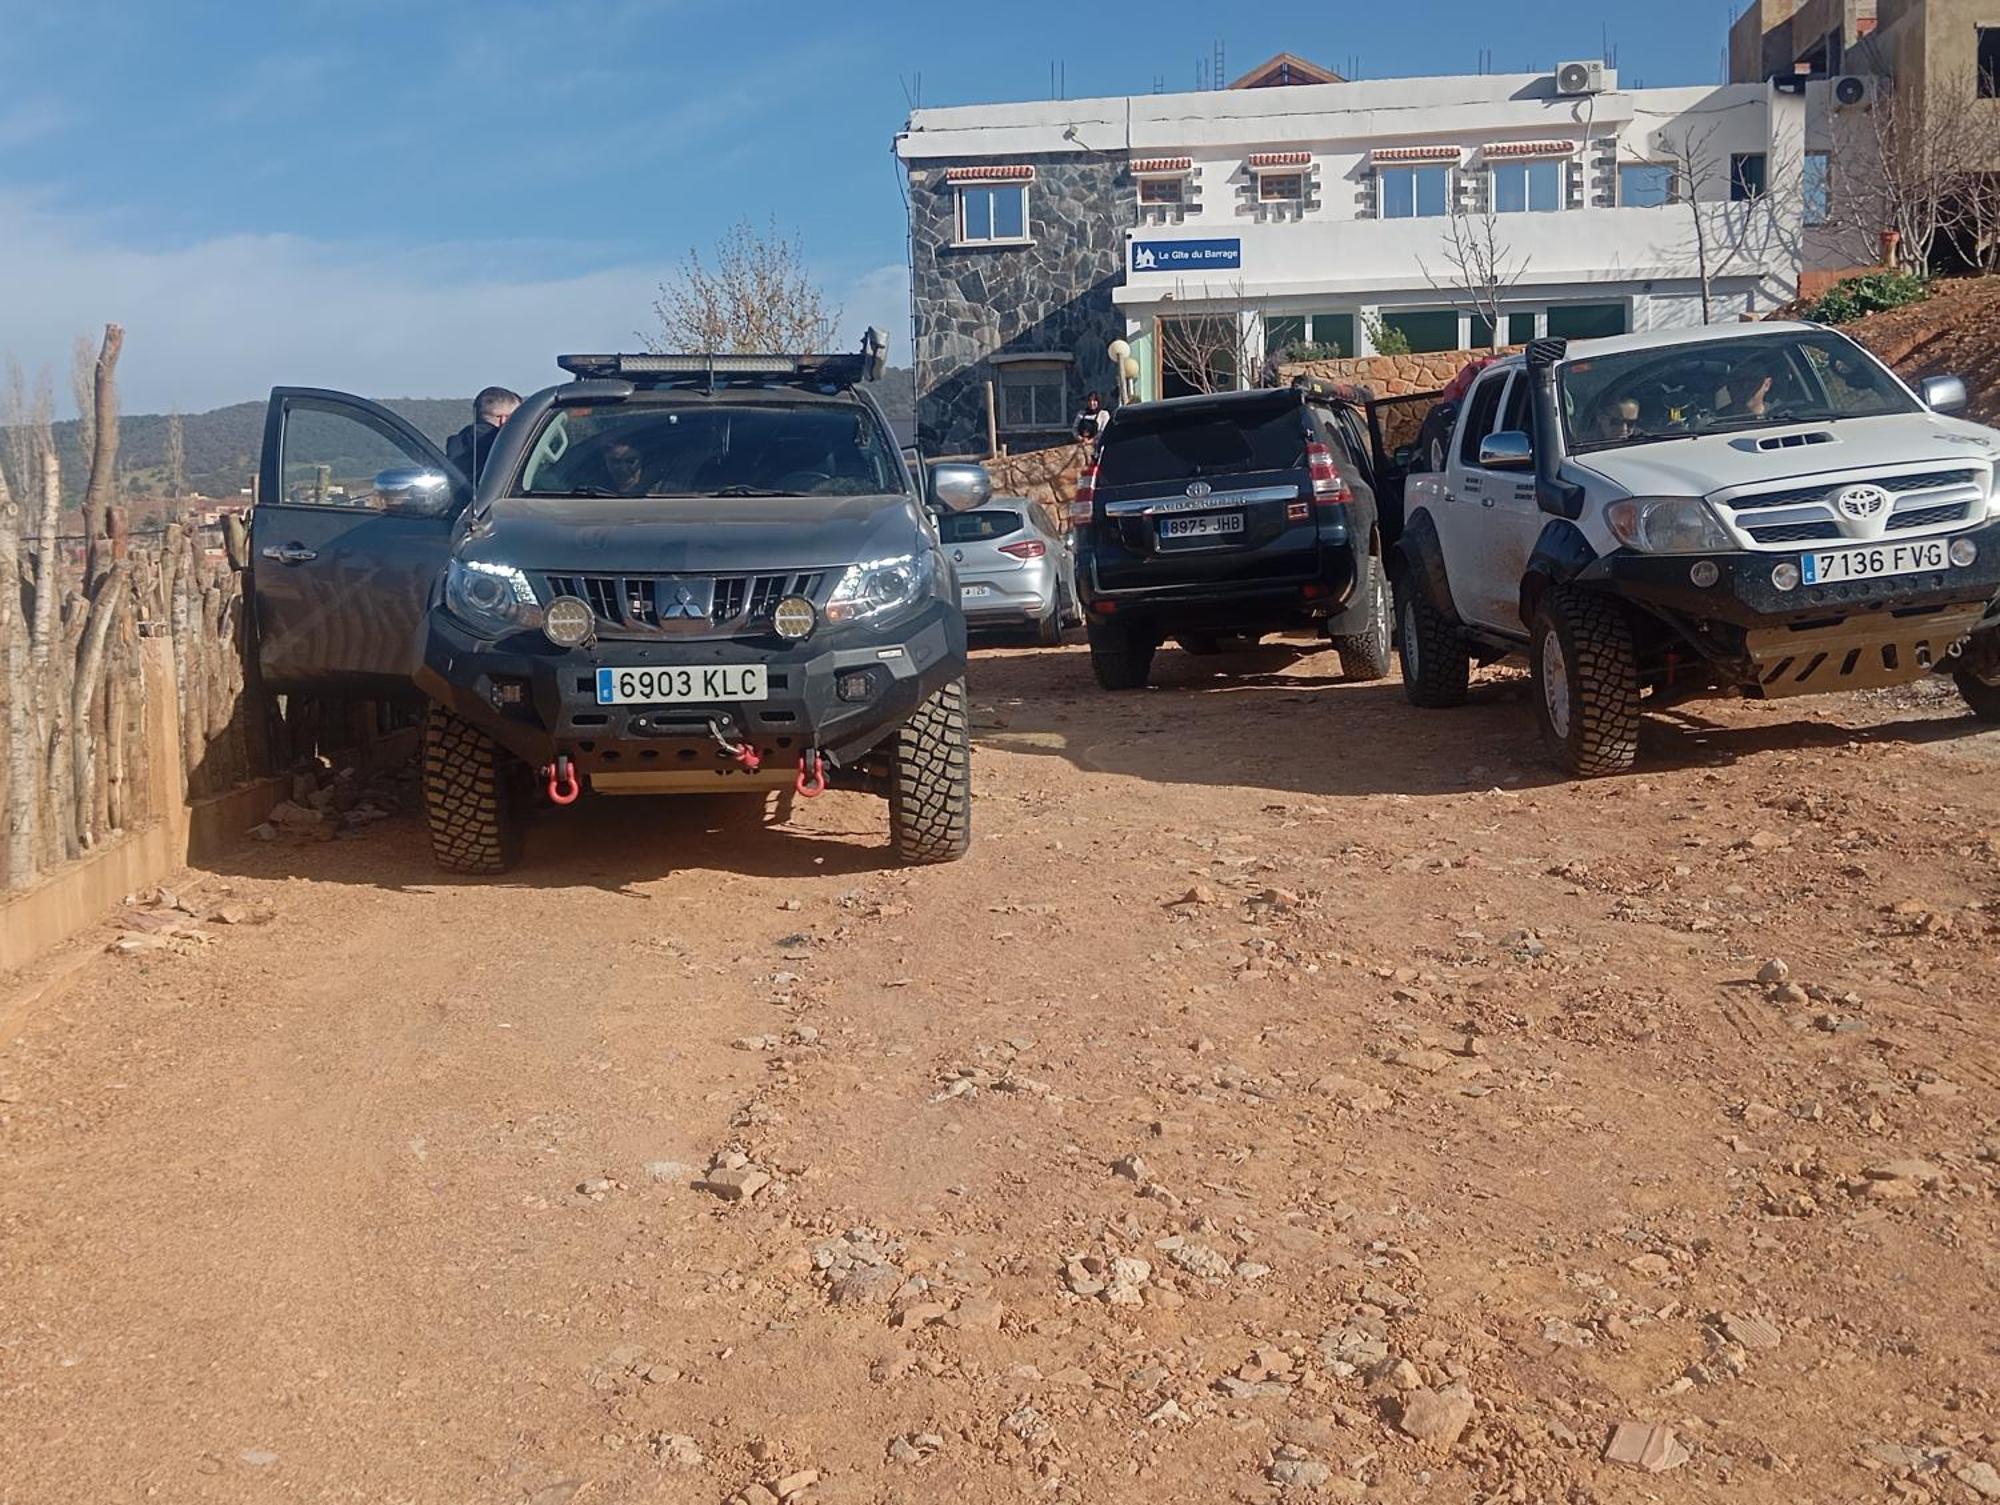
{"x":1743,"y":595}
{"x":539,"y":701}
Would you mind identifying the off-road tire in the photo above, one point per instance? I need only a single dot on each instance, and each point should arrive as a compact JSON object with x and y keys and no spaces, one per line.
{"x":1120,"y":658}
{"x":1982,"y":695}
{"x":1049,"y":627}
{"x":469,"y":799}
{"x":1437,"y":666}
{"x":930,"y":781}
{"x":1586,"y":683}
{"x":1364,"y":656}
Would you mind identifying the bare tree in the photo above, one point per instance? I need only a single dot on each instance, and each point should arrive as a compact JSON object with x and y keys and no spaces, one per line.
{"x":55,"y":631}
{"x":756,"y":294}
{"x":83,"y":391}
{"x":22,"y":412}
{"x":176,"y":458}
{"x":1209,"y":349}
{"x":1917,"y":167}
{"x":1479,"y":268}
{"x":1735,"y":229}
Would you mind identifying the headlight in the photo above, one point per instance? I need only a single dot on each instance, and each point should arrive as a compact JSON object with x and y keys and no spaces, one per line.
{"x":879,"y":588}
{"x":495,"y":598}
{"x":1667,"y":525}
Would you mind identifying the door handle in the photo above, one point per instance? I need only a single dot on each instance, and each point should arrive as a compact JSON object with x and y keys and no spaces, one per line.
{"x":291,"y":553}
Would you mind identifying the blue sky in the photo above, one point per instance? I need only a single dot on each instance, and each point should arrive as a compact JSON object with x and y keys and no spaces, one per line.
{"x":417,"y":197}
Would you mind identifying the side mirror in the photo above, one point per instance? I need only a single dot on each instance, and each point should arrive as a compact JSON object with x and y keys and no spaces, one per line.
{"x":960,"y":488}
{"x":1510,"y":449}
{"x":423,"y":493}
{"x":1943,"y":394}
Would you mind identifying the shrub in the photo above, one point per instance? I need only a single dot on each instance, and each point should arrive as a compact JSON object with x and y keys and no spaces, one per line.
{"x":1852,"y":297}
{"x":1387,"y":341}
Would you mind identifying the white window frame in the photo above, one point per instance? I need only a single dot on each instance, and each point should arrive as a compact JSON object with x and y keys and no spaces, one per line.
{"x":1268,"y":175}
{"x":1817,"y":215}
{"x":1029,"y":375}
{"x":1413,"y":168}
{"x":1674,"y":187}
{"x":958,"y":211}
{"x":1494,"y":169}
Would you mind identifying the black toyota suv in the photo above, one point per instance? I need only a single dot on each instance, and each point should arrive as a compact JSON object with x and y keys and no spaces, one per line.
{"x":676,"y":574}
{"x":1224,"y":517}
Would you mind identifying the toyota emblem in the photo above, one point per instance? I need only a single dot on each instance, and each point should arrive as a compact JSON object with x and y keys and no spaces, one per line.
{"x":1862,"y":502}
{"x":1199,"y":489}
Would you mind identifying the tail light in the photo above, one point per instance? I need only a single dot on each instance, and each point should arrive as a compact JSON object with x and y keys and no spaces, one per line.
{"x":1329,"y":490}
{"x":1085,"y":501}
{"x":1030,"y":548}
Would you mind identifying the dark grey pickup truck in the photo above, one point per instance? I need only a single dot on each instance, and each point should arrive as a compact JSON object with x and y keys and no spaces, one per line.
{"x":676,"y":574}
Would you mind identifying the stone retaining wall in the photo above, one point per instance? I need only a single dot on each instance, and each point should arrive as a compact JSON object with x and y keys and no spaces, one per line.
{"x":1394,"y":375}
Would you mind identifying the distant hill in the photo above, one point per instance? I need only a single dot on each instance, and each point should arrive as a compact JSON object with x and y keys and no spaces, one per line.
{"x":222,"y":446}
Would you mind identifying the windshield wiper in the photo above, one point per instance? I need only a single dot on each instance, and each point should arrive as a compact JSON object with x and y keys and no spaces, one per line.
{"x":752,"y":491}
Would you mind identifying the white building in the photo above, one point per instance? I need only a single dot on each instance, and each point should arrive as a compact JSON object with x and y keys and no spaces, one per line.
{"x":1322,"y":214}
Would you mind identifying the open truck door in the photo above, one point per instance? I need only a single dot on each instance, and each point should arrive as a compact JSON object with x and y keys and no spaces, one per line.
{"x":354,"y":520}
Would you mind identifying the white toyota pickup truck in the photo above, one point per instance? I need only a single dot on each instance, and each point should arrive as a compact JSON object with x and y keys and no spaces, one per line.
{"x":1758,"y":509}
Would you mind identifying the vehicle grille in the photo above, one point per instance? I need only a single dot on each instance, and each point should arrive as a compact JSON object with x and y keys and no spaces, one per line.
{"x":1935,"y":480}
{"x":1929,"y":517}
{"x":1795,"y":532}
{"x":1801,"y":514}
{"x":645,"y":605}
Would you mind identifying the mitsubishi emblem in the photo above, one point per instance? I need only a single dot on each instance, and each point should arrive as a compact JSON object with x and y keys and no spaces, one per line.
{"x":686,"y":600}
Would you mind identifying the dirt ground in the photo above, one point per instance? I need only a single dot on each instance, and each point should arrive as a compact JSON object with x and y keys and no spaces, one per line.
{"x":1288,"y":1072}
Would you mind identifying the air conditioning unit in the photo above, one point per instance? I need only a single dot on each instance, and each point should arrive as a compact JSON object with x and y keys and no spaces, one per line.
{"x":1580,"y":78}
{"x":1852,"y":91}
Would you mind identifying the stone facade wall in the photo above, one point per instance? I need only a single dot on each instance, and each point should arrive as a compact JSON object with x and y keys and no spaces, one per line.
{"x":972,"y":302}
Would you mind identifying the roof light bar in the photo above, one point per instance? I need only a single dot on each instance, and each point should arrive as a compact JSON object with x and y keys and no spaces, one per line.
{"x":866,"y":365}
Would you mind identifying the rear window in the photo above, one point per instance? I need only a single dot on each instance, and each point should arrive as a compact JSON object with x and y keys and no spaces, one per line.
{"x":978,"y":527}
{"x":1182,"y":446}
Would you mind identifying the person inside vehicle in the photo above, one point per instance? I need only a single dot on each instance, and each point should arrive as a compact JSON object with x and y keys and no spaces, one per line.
{"x":468,"y":448}
{"x":1618,"y":419}
{"x":1749,"y":393}
{"x":625,"y":468}
{"x":1090,"y":422}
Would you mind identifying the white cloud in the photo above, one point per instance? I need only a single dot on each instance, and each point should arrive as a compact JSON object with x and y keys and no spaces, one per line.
{"x":222,"y":320}
{"x":880,"y":298}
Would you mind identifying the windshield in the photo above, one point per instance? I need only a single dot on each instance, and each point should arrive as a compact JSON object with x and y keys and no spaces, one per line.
{"x":761,"y":449}
{"x":979,"y":527}
{"x":1176,"y":445}
{"x":1643,"y":396}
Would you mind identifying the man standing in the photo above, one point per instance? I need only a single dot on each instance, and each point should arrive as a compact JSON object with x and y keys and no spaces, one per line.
{"x":1090,"y":422}
{"x":467,"y":449}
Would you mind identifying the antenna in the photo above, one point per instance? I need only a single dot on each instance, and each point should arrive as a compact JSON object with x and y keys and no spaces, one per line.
{"x":1220,"y":72}
{"x":1201,"y":74}
{"x":1159,"y":83}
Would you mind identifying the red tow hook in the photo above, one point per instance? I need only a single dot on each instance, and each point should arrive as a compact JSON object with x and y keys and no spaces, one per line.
{"x":563,"y":786}
{"x":742,"y":754}
{"x":812,"y":774}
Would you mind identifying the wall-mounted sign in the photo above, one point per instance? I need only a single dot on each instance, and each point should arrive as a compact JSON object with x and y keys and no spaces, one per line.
{"x":1186,"y":255}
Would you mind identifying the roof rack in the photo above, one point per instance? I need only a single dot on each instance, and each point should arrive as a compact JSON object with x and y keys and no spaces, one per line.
{"x":842,"y":370}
